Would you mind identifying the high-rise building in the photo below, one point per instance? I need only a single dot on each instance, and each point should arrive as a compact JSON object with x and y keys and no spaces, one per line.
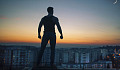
{"x":104,"y":53}
{"x":65,"y":57}
{"x":76,"y":57}
{"x":85,"y":57}
{"x":57,"y":56}
{"x":46,"y":55}
{"x":18,"y":55}
{"x":71,"y":56}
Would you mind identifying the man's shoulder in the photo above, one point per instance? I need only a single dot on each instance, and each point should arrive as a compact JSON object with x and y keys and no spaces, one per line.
{"x":55,"y":18}
{"x":49,"y":16}
{"x":44,"y":17}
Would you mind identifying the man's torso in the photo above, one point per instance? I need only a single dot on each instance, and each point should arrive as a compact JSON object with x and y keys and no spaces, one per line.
{"x":49,"y":23}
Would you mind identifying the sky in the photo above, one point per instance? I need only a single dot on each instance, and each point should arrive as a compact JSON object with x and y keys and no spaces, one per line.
{"x":82,"y":21}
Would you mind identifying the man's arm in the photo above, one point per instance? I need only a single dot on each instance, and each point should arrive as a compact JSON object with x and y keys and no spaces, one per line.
{"x":39,"y":28}
{"x":59,"y":28}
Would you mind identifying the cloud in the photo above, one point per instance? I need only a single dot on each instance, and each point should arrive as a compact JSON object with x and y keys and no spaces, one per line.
{"x":3,"y":17}
{"x":118,"y":27}
{"x":17,"y":18}
{"x":118,"y":39}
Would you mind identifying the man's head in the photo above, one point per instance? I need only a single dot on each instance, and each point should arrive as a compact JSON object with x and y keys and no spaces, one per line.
{"x":50,"y":10}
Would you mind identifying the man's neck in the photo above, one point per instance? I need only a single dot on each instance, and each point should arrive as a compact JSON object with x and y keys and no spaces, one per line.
{"x":50,"y":14}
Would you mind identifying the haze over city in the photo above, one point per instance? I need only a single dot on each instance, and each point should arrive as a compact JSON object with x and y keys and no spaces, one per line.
{"x":82,"y":21}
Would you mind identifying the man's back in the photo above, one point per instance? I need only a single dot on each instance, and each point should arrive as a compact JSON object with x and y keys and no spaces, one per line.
{"x":49,"y":23}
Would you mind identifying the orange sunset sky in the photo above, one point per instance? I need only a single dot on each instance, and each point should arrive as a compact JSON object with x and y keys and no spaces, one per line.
{"x":82,"y":21}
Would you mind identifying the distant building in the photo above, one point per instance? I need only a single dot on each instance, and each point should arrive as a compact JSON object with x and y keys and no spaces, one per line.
{"x":57,"y":56}
{"x":77,"y":57}
{"x":17,"y":55}
{"x":102,"y":64}
{"x":46,"y":55}
{"x":116,"y":56}
{"x":71,"y":56}
{"x":65,"y":57}
{"x":85,"y":57}
{"x":104,"y":53}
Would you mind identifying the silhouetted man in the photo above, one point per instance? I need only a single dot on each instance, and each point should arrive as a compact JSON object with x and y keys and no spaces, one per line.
{"x":49,"y":23}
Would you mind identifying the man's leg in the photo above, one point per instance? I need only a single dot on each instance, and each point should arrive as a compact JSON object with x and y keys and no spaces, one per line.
{"x":43,"y":46}
{"x":52,"y":44}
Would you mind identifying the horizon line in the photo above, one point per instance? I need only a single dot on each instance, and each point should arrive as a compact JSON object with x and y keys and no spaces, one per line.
{"x":63,"y":43}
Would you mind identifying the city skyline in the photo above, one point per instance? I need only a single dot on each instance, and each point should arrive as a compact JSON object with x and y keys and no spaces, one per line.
{"x":25,"y":56}
{"x":82,"y":21}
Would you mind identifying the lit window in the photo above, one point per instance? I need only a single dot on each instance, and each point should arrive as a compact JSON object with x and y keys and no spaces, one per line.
{"x":4,"y":60}
{"x":13,"y":55}
{"x":113,"y":54}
